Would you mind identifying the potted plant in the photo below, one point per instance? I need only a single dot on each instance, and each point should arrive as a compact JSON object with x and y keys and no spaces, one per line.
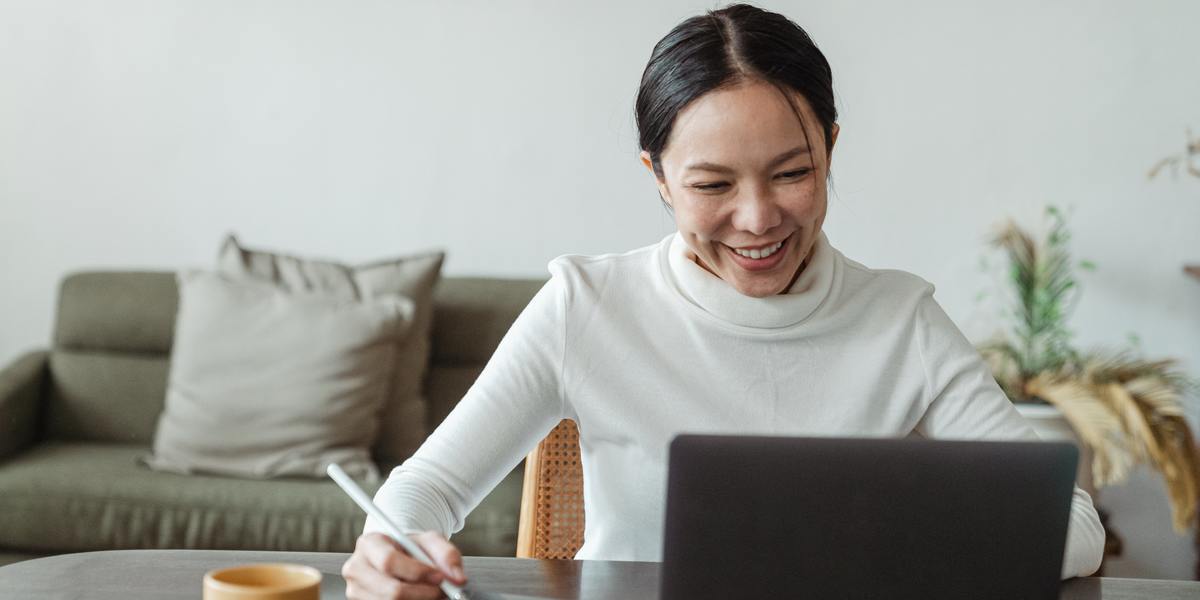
{"x":1123,"y":410}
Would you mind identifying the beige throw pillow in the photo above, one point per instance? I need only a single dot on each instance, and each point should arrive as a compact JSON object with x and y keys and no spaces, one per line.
{"x":267,"y":383}
{"x":402,"y":422}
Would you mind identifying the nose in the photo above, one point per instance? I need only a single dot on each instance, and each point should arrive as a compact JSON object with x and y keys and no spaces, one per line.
{"x":756,"y":212}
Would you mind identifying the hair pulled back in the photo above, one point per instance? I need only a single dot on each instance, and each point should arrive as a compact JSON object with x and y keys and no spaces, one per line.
{"x":722,"y":48}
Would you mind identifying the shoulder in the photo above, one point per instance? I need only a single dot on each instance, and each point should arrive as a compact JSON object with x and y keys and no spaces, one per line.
{"x":590,"y":275}
{"x":874,"y":297}
{"x":892,"y":285}
{"x":907,"y":298}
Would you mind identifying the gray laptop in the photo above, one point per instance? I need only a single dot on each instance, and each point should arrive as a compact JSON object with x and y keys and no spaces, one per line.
{"x":777,"y":517}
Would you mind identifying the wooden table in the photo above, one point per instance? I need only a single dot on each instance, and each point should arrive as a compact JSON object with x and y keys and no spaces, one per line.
{"x":172,"y":574}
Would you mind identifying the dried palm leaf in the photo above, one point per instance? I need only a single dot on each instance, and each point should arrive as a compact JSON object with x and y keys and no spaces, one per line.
{"x":1139,"y":436}
{"x":1164,"y":400}
{"x":1143,"y":402}
{"x":1183,"y":484}
{"x":1093,"y":421}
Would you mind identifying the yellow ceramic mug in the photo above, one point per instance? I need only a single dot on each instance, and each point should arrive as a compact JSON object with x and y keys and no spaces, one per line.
{"x":263,"y":582}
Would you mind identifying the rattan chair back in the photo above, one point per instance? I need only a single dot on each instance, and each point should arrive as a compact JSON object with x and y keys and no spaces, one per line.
{"x":551,"y":522}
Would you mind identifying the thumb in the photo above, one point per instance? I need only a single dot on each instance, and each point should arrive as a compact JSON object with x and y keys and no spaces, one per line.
{"x":444,"y":554}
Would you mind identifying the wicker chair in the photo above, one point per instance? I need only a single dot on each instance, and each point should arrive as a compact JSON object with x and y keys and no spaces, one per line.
{"x":551,"y":522}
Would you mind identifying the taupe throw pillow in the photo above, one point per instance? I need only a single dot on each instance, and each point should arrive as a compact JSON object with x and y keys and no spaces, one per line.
{"x":402,"y":421}
{"x":267,"y":383}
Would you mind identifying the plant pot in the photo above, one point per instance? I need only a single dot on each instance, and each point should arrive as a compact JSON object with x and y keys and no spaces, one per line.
{"x":1050,"y":425}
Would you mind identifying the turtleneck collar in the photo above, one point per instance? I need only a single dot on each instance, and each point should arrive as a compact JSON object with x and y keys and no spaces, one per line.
{"x":721,"y":300}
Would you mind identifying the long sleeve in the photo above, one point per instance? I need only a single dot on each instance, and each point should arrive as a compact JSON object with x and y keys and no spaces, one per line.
{"x":514,"y":403}
{"x":967,"y":403}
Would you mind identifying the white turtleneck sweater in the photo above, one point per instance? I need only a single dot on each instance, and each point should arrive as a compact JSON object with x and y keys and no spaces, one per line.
{"x":641,"y":346}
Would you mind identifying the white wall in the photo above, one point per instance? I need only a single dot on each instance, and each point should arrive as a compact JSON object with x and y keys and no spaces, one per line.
{"x":133,"y":134}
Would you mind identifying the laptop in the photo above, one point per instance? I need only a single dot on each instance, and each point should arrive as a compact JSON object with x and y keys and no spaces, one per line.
{"x":779,"y":517}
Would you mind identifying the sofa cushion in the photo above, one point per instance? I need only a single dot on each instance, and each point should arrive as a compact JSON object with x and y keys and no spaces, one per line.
{"x":131,"y":312}
{"x":76,"y":497}
{"x":402,"y":420}
{"x":105,"y":396}
{"x":473,"y":314}
{"x":267,"y":383}
{"x":70,"y":497}
{"x":112,"y":336}
{"x":445,"y":386}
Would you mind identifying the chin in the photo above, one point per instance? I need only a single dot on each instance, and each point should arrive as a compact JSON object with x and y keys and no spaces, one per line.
{"x":759,"y":289}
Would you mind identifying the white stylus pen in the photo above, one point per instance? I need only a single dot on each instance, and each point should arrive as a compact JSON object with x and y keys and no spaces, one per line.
{"x":453,"y":592}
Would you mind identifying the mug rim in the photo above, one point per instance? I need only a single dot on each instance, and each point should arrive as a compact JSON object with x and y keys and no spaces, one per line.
{"x":210,"y":578}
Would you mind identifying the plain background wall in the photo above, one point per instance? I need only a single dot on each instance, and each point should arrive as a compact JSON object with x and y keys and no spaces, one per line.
{"x":134,"y":134}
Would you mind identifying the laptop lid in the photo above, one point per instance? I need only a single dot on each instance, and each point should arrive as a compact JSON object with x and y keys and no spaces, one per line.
{"x":865,"y":518}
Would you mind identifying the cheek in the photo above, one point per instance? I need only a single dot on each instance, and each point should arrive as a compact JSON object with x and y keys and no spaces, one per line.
{"x":806,"y":201}
{"x":701,"y":216}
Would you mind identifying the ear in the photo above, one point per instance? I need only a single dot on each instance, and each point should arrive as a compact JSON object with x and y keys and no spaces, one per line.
{"x":662,"y":185}
{"x":646,"y":160}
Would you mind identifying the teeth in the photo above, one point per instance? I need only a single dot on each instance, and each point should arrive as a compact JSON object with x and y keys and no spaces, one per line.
{"x":757,"y":253}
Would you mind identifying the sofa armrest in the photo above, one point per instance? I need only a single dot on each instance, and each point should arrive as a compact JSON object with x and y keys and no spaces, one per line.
{"x":21,"y":386}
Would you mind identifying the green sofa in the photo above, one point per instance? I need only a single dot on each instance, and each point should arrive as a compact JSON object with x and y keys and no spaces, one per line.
{"x":74,"y":418}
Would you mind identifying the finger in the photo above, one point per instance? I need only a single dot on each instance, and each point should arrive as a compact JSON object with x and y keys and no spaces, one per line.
{"x":363,"y":581}
{"x":373,"y":584}
{"x":444,"y":554}
{"x":386,"y":556}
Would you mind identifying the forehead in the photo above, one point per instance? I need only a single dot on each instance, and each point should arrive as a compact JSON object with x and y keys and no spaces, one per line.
{"x":743,"y":125}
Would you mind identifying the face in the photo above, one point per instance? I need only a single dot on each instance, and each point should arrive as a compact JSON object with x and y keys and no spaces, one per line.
{"x":746,"y":188}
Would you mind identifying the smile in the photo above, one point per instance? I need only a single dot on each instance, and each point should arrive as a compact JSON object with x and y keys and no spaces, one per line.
{"x":758,"y":253}
{"x":761,"y":258}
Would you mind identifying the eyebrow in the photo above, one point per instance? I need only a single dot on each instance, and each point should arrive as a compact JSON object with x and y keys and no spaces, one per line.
{"x":778,"y":160}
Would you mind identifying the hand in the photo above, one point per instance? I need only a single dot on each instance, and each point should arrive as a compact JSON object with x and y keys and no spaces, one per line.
{"x":380,"y":568}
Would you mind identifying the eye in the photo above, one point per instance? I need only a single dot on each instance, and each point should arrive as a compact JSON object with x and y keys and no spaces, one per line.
{"x":710,"y":187}
{"x":796,"y":174}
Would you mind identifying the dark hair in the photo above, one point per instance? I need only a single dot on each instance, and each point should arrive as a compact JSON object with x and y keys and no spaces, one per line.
{"x":723,"y":48}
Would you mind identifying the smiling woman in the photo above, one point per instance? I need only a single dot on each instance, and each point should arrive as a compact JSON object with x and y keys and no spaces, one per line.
{"x":725,"y":110}
{"x":747,"y":200}
{"x":746,"y":320}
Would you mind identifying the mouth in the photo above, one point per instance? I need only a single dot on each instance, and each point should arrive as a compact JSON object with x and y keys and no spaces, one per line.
{"x":760,"y":258}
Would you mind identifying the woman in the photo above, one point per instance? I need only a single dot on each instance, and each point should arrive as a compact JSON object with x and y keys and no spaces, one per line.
{"x":745,"y":320}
